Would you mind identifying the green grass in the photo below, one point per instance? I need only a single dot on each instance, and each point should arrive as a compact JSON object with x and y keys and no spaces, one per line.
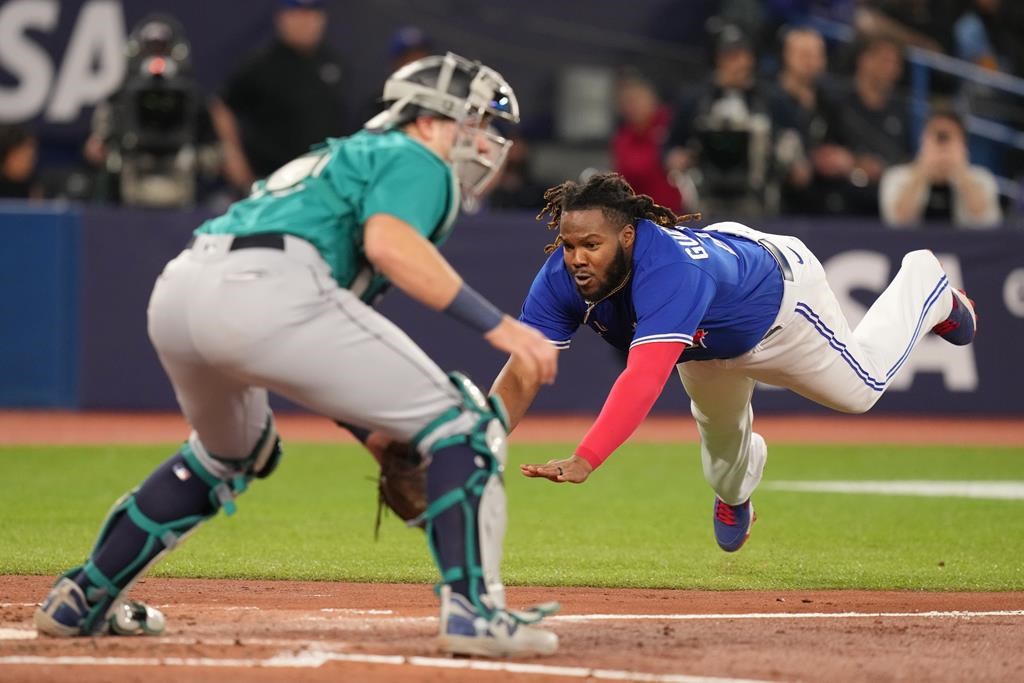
{"x":643,"y":520}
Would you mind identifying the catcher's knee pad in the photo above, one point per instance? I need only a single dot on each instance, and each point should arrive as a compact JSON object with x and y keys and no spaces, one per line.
{"x":150,"y":520}
{"x":473,"y":485}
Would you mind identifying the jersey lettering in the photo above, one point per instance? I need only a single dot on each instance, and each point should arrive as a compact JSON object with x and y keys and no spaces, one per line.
{"x":694,"y":247}
{"x":718,"y":243}
{"x":691,"y":246}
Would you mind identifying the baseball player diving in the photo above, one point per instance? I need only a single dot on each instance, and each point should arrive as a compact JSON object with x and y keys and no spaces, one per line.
{"x":725,"y":306}
{"x":276,"y":295}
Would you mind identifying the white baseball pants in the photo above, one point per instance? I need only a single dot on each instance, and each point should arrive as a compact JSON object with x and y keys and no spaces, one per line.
{"x":229,"y":325}
{"x":815,"y":353}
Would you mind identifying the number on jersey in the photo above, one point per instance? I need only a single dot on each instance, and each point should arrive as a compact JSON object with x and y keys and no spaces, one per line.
{"x":289,"y":177}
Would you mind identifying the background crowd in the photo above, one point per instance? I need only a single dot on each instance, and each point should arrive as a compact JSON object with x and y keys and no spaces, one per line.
{"x":871,"y":108}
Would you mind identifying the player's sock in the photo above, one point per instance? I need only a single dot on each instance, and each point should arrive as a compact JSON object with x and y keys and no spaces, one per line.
{"x":449,"y":470}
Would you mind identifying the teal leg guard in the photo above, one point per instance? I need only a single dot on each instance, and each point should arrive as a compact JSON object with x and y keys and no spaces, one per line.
{"x":152,"y":519}
{"x":466,"y":511}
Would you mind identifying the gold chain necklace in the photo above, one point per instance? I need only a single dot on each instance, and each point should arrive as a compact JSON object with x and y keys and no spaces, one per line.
{"x":591,"y":306}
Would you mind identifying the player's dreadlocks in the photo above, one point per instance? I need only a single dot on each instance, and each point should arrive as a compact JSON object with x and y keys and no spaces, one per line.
{"x":613,"y":195}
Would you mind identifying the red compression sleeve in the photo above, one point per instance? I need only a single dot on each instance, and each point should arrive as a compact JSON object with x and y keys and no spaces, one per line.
{"x":630,"y":399}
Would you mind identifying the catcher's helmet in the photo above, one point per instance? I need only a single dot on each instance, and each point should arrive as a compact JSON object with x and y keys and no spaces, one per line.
{"x":468,"y":93}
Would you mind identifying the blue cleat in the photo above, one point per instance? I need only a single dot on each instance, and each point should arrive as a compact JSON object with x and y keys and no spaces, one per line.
{"x":962,"y":323}
{"x":507,"y":634}
{"x":64,"y":612}
{"x":732,"y":524}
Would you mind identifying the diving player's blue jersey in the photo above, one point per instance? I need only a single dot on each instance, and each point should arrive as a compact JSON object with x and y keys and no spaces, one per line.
{"x":717,"y":293}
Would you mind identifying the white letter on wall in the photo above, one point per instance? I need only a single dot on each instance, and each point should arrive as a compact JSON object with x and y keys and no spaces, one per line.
{"x":24,"y":59}
{"x":94,"y":62}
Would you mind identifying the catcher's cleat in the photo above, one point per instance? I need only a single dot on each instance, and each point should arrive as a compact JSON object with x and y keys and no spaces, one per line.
{"x":732,"y":524}
{"x":63,"y":615}
{"x":134,"y":618}
{"x":464,"y":631}
{"x":63,"y":611}
{"x":962,"y":323}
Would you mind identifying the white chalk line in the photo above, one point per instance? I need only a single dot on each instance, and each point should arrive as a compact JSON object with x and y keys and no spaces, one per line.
{"x":28,"y":633}
{"x":955,"y":614}
{"x":989,"y":490}
{"x":949,"y":614}
{"x":322,"y":653}
{"x":316,"y":659}
{"x":237,"y":608}
{"x":17,"y":633}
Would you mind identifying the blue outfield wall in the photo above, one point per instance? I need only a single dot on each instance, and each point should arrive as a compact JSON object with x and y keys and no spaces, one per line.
{"x":39,"y":305}
{"x":74,"y":284}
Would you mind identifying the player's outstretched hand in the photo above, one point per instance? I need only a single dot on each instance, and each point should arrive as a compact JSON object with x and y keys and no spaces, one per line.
{"x":538,"y":357}
{"x":573,"y":469}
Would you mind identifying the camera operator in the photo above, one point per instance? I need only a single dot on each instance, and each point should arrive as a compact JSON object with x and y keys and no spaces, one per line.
{"x":733,"y":143}
{"x":153,"y":139}
{"x":940,"y":184}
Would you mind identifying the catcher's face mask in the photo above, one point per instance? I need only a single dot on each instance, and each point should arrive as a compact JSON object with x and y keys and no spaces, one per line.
{"x":477,"y":156}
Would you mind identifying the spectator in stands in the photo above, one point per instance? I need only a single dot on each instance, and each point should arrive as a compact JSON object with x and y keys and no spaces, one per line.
{"x":407,"y":44}
{"x":732,"y":138}
{"x":801,"y":85}
{"x":988,"y":35}
{"x":287,"y":96}
{"x":941,"y":184}
{"x":636,"y":145}
{"x":17,"y":162}
{"x":979,"y":37}
{"x":764,"y":20}
{"x":871,"y":122}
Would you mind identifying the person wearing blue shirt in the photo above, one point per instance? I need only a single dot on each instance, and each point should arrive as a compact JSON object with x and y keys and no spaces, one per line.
{"x":726,"y":306}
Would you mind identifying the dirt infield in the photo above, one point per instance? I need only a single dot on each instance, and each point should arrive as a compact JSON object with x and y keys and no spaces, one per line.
{"x":301,"y":631}
{"x":290,"y":631}
{"x":58,"y":427}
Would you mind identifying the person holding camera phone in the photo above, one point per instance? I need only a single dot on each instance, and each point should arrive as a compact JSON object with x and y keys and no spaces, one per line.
{"x":940,"y":184}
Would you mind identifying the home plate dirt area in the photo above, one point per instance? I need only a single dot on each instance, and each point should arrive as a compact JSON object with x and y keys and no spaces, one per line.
{"x":311,"y":631}
{"x":243,"y":630}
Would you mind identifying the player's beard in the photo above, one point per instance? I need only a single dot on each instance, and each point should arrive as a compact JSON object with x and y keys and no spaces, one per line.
{"x":618,"y":270}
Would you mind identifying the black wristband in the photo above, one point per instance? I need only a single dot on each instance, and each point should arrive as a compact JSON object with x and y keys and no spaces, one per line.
{"x":471,"y":309}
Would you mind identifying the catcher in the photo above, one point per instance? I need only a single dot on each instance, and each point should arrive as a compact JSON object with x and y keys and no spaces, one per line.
{"x":277,"y":294}
{"x":725,"y":306}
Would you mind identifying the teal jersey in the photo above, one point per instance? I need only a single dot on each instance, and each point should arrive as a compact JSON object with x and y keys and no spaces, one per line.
{"x":326,"y":196}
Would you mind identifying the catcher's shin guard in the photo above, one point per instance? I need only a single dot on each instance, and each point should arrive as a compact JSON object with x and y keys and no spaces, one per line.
{"x":142,"y":526}
{"x":466,"y":506}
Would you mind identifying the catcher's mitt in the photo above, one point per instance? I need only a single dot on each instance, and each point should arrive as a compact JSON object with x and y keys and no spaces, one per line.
{"x":402,"y":485}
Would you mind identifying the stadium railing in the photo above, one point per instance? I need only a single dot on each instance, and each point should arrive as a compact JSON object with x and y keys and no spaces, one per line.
{"x":922,"y":62}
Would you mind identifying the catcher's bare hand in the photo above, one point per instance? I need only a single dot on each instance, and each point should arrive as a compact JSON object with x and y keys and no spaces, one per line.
{"x":538,"y":357}
{"x":574,"y":470}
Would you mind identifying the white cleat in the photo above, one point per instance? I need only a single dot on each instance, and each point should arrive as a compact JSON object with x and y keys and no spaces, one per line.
{"x":134,"y":618}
